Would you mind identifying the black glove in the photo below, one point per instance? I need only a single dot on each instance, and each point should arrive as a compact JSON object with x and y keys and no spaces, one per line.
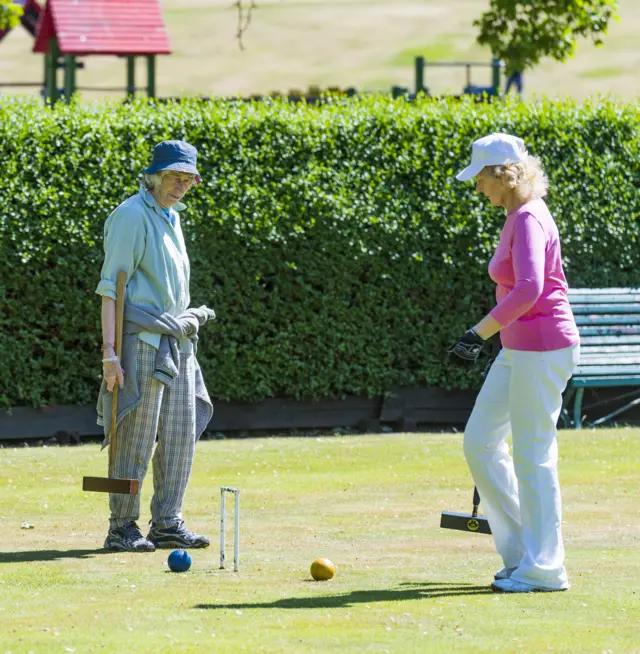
{"x":468,"y":348}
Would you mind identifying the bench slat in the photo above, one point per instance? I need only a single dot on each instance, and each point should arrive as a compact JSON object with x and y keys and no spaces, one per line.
{"x":586,"y":341}
{"x":605,"y":358}
{"x":614,"y":320}
{"x":608,"y":370}
{"x":609,"y":349}
{"x":604,"y":291}
{"x":609,"y":331}
{"x":594,"y":309}
{"x":599,"y":382}
{"x":618,"y":300}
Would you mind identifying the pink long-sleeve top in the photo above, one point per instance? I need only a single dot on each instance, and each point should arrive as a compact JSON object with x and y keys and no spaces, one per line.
{"x":532,"y":304}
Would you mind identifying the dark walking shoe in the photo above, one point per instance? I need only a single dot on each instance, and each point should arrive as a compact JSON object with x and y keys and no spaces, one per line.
{"x":128,"y":539}
{"x":176,"y":535}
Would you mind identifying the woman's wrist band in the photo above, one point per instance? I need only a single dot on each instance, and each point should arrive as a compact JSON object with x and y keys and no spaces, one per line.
{"x":109,"y":359}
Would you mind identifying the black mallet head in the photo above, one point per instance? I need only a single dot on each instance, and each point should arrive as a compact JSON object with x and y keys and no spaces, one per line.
{"x":466,"y":521}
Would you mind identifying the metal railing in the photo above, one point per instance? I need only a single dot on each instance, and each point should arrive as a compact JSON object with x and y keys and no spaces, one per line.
{"x":495,"y":64}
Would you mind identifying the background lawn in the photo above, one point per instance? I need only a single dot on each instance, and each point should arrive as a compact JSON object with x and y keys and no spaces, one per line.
{"x":369,"y":503}
{"x":368,"y":44}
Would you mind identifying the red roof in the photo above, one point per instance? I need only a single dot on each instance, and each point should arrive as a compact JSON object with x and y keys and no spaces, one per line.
{"x":109,"y":27}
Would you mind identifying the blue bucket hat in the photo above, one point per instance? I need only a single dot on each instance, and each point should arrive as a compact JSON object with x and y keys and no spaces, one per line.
{"x":174,"y":155}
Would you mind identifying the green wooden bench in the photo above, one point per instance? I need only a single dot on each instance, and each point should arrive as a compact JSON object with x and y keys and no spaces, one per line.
{"x":608,"y":320}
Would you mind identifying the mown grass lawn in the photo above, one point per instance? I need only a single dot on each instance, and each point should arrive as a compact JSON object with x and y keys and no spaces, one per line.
{"x":369,"y":503}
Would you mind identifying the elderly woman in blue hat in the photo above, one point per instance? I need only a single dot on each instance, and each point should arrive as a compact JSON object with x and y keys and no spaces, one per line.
{"x":162,"y":400}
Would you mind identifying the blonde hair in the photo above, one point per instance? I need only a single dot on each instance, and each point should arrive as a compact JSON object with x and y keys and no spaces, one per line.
{"x":526,"y":179}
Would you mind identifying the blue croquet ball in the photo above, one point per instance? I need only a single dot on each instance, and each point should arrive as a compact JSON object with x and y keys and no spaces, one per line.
{"x":179,"y":561}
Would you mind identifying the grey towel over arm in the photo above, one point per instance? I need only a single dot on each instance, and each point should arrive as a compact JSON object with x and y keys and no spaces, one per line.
{"x":172,"y":328}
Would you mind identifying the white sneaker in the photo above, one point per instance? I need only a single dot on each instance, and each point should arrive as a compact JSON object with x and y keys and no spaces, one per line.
{"x":505,"y":573}
{"x":512,"y":586}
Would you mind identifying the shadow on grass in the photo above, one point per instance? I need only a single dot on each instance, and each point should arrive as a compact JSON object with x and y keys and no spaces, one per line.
{"x":49,"y":555}
{"x":408,"y":591}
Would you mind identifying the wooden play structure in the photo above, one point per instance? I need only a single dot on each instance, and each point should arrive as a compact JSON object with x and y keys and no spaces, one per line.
{"x":66,"y":30}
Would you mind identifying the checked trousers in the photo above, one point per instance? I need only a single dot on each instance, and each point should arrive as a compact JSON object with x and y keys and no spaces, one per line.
{"x":165,"y":418}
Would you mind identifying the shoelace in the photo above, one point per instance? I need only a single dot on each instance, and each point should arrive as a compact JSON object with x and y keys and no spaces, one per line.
{"x":132,"y":531}
{"x":182,"y":530}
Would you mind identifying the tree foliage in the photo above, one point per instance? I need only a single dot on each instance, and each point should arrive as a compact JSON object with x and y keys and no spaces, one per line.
{"x":521,"y":32}
{"x":9,"y":14}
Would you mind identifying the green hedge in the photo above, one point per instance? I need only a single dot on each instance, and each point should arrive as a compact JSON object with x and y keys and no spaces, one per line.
{"x":333,"y":241}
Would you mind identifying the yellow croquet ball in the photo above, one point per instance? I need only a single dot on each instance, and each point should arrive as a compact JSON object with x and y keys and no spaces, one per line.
{"x":322,"y":569}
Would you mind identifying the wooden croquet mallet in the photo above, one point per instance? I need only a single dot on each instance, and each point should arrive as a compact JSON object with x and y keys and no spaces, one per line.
{"x":110,"y":484}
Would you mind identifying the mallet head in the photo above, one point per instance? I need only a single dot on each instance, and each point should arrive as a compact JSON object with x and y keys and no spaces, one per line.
{"x":465,"y":522}
{"x":110,"y":485}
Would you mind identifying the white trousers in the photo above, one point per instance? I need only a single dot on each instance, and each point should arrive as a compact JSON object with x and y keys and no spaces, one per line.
{"x":522,"y":396}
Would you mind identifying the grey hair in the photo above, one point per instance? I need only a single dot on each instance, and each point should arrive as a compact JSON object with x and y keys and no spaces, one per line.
{"x":152,"y":180}
{"x":526,"y":179}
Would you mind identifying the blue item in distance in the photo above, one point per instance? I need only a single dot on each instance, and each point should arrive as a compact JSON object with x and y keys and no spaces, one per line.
{"x":179,"y":561}
{"x":479,"y":90}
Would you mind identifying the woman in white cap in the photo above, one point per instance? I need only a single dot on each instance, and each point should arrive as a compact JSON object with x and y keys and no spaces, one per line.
{"x":163,"y":405}
{"x":522,"y":392}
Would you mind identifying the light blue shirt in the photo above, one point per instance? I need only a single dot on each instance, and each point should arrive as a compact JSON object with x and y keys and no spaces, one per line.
{"x":147,"y":243}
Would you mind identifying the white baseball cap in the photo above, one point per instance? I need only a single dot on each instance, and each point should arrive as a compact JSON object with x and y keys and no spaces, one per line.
{"x":493,"y":150}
